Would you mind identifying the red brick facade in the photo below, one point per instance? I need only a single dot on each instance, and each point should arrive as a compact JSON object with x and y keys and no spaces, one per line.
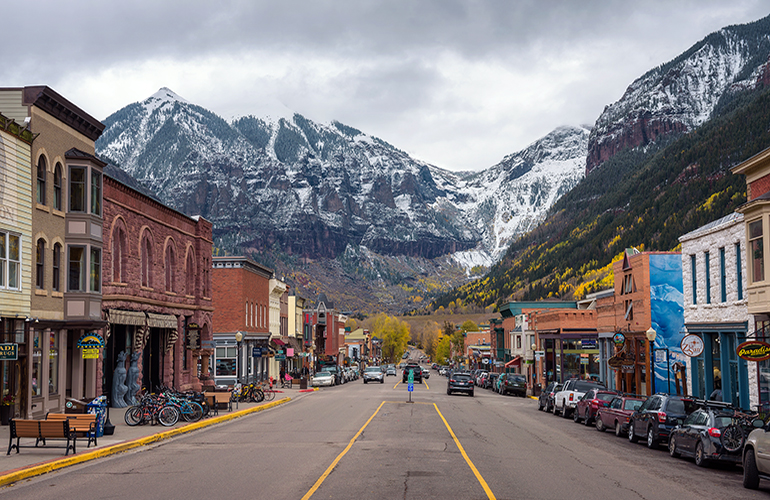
{"x":155,"y":261}
{"x":242,"y":297}
{"x":758,"y":188}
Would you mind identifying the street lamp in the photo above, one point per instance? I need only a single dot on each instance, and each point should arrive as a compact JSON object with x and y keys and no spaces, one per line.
{"x":238,"y":338}
{"x":651,"y":334}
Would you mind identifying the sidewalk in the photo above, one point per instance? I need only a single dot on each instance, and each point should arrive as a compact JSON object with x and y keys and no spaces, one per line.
{"x":33,"y":461}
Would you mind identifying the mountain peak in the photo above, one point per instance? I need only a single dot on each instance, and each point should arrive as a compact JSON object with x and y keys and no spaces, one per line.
{"x":166,"y":94}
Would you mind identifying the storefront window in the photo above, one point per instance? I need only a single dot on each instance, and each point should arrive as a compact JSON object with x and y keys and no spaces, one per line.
{"x":225,"y":361}
{"x":37,"y":363}
{"x":53,"y":363}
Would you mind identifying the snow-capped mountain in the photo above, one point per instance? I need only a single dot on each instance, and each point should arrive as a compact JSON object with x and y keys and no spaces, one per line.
{"x":285,"y":183}
{"x":683,"y":93}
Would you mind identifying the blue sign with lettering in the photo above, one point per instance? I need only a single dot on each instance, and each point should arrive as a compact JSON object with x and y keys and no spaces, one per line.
{"x":256,"y":352}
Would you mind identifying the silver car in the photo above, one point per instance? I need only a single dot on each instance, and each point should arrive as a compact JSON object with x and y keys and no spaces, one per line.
{"x":322,"y":379}
{"x":373,"y":374}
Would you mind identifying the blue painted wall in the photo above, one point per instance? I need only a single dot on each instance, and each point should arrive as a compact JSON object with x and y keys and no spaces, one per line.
{"x":667,"y":314}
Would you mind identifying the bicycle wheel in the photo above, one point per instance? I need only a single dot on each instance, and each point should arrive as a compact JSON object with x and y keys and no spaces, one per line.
{"x":732,"y":438}
{"x":193,"y":412}
{"x":168,"y":416}
{"x":269,"y":395}
{"x":259,"y":396}
{"x":133,"y":416}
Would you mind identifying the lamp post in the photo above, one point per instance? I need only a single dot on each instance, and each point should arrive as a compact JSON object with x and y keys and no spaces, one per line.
{"x":651,"y":334}
{"x":238,"y":338}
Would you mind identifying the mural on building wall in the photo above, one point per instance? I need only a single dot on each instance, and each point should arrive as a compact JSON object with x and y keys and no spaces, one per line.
{"x":667,"y":314}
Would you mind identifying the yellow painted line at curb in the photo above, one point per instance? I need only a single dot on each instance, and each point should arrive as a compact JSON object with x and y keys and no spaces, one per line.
{"x":533,"y":397}
{"x":339,"y":457}
{"x":37,"y":470}
{"x":476,"y":472}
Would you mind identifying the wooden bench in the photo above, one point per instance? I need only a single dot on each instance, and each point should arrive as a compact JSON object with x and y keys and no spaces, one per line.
{"x":41,"y":430}
{"x":82,"y":424}
{"x":218,"y":400}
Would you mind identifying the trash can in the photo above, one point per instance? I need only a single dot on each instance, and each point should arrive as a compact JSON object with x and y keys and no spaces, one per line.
{"x":98,"y":407}
{"x":303,"y":383}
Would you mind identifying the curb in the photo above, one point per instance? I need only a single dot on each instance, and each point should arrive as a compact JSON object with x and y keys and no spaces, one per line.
{"x":43,"y":468}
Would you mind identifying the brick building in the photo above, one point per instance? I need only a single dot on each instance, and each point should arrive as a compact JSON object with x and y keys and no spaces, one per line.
{"x":157,"y":291}
{"x":241,"y":294}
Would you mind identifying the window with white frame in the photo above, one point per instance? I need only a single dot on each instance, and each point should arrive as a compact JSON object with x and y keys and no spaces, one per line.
{"x":10,"y":261}
{"x":76,"y":268}
{"x":756,"y":251}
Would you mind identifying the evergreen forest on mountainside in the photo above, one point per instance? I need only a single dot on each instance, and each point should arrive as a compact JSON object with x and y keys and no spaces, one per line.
{"x":645,"y":198}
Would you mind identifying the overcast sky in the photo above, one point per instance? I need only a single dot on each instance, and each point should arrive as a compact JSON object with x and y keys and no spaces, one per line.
{"x":459,"y":84}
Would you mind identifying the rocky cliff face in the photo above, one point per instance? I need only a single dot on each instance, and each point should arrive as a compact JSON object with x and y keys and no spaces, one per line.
{"x":683,"y":93}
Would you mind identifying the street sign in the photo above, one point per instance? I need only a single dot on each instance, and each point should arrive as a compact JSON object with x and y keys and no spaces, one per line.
{"x":410,"y":387}
{"x":410,"y":378}
{"x":280,"y":357}
{"x":256,"y":352}
{"x":539,"y":354}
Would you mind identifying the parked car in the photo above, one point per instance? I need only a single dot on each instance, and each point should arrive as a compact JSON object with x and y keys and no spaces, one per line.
{"x":322,"y":378}
{"x":416,"y":369}
{"x":700,"y":436}
{"x":573,"y":389}
{"x":542,"y":400}
{"x":491,"y":381}
{"x":513,"y":383}
{"x":480,"y":376}
{"x":757,"y":445}
{"x":373,"y":374}
{"x":460,"y":382}
{"x":589,"y":404}
{"x":658,"y":416}
{"x":618,"y":413}
{"x":482,"y":379}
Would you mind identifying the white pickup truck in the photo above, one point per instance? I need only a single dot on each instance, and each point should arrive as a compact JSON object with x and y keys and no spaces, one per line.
{"x":573,"y":389}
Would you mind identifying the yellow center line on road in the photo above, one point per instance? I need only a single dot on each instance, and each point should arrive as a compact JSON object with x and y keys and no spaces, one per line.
{"x":339,"y":457}
{"x":476,"y":472}
{"x":396,"y":384}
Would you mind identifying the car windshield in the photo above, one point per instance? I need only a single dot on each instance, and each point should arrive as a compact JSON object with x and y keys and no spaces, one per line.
{"x":323,"y":374}
{"x":605,"y":396}
{"x":585,"y":386}
{"x":632,"y":404}
{"x":681,"y":406}
{"x":372,"y":369}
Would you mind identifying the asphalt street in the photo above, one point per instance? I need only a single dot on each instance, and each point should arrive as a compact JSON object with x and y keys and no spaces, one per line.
{"x":365,"y":441}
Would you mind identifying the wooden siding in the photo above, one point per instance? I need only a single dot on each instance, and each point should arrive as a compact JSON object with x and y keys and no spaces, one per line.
{"x":10,"y":103}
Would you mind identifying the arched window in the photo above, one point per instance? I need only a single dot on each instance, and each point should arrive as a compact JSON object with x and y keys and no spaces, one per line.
{"x":41,"y":176}
{"x":57,"y":171}
{"x":57,"y":267}
{"x":170,"y":268}
{"x":146,"y":261}
{"x":190,"y":274}
{"x":118,"y":255}
{"x":40,"y":264}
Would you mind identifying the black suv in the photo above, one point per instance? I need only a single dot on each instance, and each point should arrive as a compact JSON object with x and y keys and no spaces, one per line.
{"x":460,"y":382}
{"x":417,"y":372}
{"x":658,"y":416}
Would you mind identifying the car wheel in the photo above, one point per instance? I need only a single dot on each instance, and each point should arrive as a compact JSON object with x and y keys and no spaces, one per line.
{"x":448,"y":392}
{"x":599,"y":424}
{"x":631,"y":434}
{"x":539,"y":406}
{"x":471,"y":393}
{"x":382,"y":381}
{"x":652,"y":443}
{"x":576,"y":416}
{"x":587,"y":419}
{"x":700,"y":455}
{"x":672,"y":447}
{"x":618,"y":429}
{"x":750,"y":471}
{"x":555,"y":409}
{"x":364,"y":381}
{"x":564,"y":412}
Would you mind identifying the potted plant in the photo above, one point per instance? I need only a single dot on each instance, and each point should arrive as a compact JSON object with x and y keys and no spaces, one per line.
{"x":6,"y":408}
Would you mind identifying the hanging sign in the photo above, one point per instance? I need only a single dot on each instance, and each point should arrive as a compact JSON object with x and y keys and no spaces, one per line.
{"x":193,"y":336}
{"x":9,"y":352}
{"x":90,"y":340}
{"x":90,"y":353}
{"x":619,"y":339}
{"x":290,"y":352}
{"x":754,"y":350}
{"x":692,"y":345}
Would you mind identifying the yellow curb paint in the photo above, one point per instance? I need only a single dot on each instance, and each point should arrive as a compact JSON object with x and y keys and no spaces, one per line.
{"x":533,"y":397}
{"x":476,"y":472}
{"x":339,"y":457}
{"x":38,"y":470}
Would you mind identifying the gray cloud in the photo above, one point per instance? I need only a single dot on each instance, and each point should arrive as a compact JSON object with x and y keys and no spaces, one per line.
{"x":457,"y":83}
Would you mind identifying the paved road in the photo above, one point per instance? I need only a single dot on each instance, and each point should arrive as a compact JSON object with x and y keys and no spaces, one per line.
{"x":303,"y":449}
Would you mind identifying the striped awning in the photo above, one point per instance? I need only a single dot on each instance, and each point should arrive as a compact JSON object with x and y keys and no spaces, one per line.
{"x":120,"y":317}
{"x":162,"y":321}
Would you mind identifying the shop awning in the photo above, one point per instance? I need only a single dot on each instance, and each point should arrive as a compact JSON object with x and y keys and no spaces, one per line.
{"x":119,"y":317}
{"x":278,"y":342}
{"x":162,"y":321}
{"x":514,"y":362}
